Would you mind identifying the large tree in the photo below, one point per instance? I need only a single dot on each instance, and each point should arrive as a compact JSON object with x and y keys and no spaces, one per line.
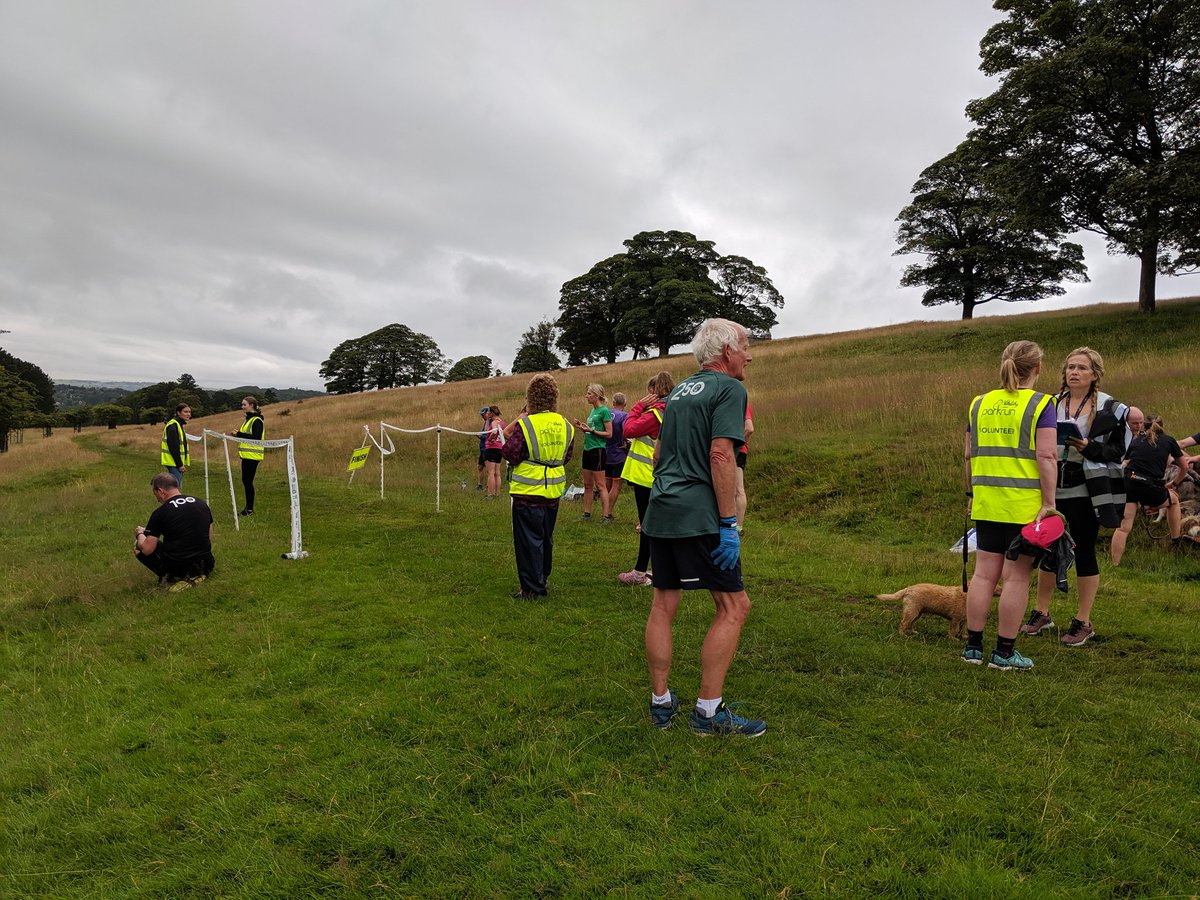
{"x":536,"y":353}
{"x":37,"y":381}
{"x":656,"y":293}
{"x":392,"y":356}
{"x":345,"y":372}
{"x":401,"y":357}
{"x":669,"y":288}
{"x":976,"y":250}
{"x":1098,"y":110}
{"x":469,"y":368}
{"x":18,"y":403}
{"x":746,"y":293}
{"x":590,"y":311}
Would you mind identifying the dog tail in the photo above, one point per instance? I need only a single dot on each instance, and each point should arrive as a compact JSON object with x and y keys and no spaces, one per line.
{"x":899,"y":595}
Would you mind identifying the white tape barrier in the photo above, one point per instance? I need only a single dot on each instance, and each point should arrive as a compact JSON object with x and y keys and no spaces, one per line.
{"x":293,"y":481}
{"x":385,"y":437}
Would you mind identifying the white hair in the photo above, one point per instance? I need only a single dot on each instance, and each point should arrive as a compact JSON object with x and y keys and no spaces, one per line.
{"x":713,"y":336}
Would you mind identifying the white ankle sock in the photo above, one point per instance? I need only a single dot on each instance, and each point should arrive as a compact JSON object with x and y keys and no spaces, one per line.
{"x":708,"y":708}
{"x":660,"y":701}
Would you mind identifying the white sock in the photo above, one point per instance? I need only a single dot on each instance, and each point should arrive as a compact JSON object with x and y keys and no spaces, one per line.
{"x":660,"y":701}
{"x":708,"y":708}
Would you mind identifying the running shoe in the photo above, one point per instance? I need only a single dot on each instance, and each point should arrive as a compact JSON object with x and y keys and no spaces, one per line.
{"x":1013,"y":662}
{"x":725,"y":721}
{"x":1038,"y":622}
{"x":1077,"y":635}
{"x":663,"y":714}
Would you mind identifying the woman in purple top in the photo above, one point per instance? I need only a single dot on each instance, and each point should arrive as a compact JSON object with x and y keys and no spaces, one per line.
{"x":615,"y":450}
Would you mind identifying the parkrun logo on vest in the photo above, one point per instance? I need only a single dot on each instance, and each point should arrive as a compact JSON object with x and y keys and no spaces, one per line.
{"x":1002,"y":408}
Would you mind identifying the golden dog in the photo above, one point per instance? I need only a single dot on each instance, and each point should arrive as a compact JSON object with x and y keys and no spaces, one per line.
{"x":934,"y":599}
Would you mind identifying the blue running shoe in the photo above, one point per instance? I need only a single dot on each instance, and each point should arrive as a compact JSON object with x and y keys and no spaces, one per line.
{"x":973,"y":655}
{"x":1009,"y":663}
{"x":726,"y":722}
{"x":663,"y":714}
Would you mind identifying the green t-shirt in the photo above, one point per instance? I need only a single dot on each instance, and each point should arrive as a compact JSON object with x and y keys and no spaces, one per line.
{"x":596,"y":419}
{"x":706,"y":406}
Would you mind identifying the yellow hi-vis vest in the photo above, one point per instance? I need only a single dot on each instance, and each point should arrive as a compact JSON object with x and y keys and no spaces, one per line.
{"x":1004,"y":469}
{"x":165,"y":457}
{"x":639,"y":463}
{"x":249,"y":451}
{"x":547,"y":437}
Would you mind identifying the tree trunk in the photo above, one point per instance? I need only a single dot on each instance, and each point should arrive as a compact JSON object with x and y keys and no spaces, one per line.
{"x":968,"y":309}
{"x":1149,"y":258}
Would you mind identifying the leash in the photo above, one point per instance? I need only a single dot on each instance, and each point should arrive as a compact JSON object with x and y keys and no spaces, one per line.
{"x":966,"y":531}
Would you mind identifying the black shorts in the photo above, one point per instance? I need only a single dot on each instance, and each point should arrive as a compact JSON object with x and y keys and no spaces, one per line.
{"x":613,"y":470}
{"x":492,"y":454}
{"x":686,"y":563}
{"x":741,"y":459}
{"x":593,"y":460}
{"x":994,"y":537}
{"x":1144,"y":492}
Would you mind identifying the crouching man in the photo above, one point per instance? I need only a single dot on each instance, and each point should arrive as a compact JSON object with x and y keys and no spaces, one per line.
{"x":176,"y":544}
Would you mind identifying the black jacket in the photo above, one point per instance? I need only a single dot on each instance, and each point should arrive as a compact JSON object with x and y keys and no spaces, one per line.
{"x":1055,"y":559}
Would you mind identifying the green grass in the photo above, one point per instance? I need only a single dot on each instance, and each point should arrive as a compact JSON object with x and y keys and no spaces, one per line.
{"x":380,"y":719}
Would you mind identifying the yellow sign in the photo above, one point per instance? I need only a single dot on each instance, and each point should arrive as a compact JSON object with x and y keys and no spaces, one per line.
{"x":359,"y":458}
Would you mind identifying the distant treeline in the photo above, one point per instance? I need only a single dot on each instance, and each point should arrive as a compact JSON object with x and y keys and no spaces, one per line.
{"x":72,"y":396}
{"x":30,"y":399}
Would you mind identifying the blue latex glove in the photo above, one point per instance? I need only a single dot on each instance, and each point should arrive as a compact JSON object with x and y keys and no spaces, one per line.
{"x":726,"y":553}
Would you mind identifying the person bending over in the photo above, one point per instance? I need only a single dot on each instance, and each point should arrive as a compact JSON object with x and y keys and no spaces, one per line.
{"x":176,"y":543}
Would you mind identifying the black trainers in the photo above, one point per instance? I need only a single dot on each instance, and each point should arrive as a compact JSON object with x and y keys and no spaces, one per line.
{"x":246,"y":512}
{"x":663,"y":714}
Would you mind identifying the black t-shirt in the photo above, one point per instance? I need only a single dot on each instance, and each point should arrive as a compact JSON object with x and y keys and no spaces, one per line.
{"x":1150,"y":460}
{"x":181,"y":525}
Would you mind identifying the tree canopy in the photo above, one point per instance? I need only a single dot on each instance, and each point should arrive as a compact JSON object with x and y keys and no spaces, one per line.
{"x":535,"y":353}
{"x":18,"y":403}
{"x":392,"y":356}
{"x":976,"y":250}
{"x":1098,"y":115}
{"x":656,"y":293}
{"x":37,"y":381}
{"x":470,"y":367}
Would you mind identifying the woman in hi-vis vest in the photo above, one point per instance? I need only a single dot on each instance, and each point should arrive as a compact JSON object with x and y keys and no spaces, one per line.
{"x":1011,"y":455}
{"x":251,"y":456}
{"x":641,"y":427}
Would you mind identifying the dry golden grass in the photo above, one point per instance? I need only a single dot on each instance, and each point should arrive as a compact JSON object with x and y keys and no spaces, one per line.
{"x":36,"y":454}
{"x":792,"y":382}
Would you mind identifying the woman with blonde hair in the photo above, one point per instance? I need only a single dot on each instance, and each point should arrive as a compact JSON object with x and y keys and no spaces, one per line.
{"x":1090,"y":489}
{"x":1010,"y":453}
{"x":641,"y":427}
{"x":596,"y":432}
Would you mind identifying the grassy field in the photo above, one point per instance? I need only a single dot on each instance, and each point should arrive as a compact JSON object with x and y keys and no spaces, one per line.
{"x":381,"y":719}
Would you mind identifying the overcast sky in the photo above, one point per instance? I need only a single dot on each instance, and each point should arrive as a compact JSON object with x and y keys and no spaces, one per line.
{"x":231,"y":189}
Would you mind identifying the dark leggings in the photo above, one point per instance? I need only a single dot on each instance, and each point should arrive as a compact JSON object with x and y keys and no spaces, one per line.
{"x":642,"y":496}
{"x":1083,"y":526}
{"x":249,"y":467}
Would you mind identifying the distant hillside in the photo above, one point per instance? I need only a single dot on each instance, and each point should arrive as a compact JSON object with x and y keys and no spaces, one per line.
{"x":72,"y":394}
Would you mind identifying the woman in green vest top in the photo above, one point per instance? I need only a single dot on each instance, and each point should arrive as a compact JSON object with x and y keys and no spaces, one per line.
{"x":1011,"y":458}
